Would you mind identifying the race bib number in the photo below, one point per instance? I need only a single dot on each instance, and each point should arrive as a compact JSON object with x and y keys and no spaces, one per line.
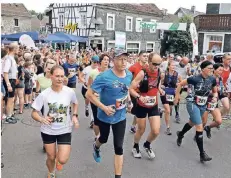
{"x":211,"y":106}
{"x":201,"y":100}
{"x":57,"y":118}
{"x":170,"y":98}
{"x":121,"y":103}
{"x":151,"y":101}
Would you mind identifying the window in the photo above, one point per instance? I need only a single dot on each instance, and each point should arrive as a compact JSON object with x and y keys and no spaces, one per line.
{"x":138,"y":26}
{"x":83,"y":9}
{"x":83,"y":20}
{"x":61,"y":20}
{"x":133,"y":47}
{"x":150,"y":46}
{"x":16,"y":22}
{"x":154,"y":29}
{"x":129,"y":23}
{"x":216,"y":38}
{"x":110,"y":21}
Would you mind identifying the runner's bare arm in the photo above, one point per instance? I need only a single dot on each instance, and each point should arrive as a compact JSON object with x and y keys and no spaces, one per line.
{"x":35,"y":115}
{"x":90,"y":81}
{"x":135,"y":83}
{"x":214,"y":90}
{"x":74,"y":108}
{"x":178,"y":89}
{"x":37,"y":87}
{"x":94,"y":99}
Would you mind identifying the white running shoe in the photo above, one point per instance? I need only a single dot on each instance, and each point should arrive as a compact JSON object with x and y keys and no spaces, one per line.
{"x":150,"y":153}
{"x":136,"y":154}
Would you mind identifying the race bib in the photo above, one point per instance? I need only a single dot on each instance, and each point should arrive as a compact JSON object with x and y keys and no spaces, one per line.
{"x":201,"y":100}
{"x":151,"y":101}
{"x":121,"y":103}
{"x":211,"y":106}
{"x":170,"y":98}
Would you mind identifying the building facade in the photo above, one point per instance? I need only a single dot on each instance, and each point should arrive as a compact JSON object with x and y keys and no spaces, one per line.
{"x":214,"y":29}
{"x":100,"y":22}
{"x":14,"y":18}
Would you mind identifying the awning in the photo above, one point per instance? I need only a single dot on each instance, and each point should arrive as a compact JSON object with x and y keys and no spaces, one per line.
{"x":56,"y":39}
{"x":70,"y":37}
{"x":15,"y":36}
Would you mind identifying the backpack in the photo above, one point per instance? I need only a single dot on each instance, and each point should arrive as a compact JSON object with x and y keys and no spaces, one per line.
{"x":144,"y":87}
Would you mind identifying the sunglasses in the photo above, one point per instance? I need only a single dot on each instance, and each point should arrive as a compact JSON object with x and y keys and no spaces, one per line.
{"x":96,"y":62}
{"x":210,"y":68}
{"x":156,"y":64}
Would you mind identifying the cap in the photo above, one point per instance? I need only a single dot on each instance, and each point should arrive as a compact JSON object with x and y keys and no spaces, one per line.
{"x":119,"y":52}
{"x":95,"y":58}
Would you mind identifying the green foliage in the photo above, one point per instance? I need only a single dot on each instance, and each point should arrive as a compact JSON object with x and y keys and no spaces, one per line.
{"x":180,"y":41}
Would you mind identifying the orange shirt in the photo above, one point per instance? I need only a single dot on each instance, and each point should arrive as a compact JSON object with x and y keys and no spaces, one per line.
{"x":225,"y":76}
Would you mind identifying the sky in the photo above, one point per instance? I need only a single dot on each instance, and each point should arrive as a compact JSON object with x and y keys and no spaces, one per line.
{"x":170,"y":5}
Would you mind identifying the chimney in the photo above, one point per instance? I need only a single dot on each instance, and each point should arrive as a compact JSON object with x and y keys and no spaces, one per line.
{"x":193,"y":9}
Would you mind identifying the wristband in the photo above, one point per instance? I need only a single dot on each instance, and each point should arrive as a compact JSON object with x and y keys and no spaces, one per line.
{"x":75,"y":115}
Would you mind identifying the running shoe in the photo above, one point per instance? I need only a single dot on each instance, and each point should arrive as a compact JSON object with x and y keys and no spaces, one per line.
{"x":168,"y":131}
{"x":179,"y":138}
{"x":51,"y":175}
{"x":91,"y":124}
{"x":204,"y":157}
{"x":136,"y":153}
{"x":177,"y":118}
{"x":59,"y":166}
{"x":208,"y":131}
{"x":86,"y":112}
{"x":96,"y":154}
{"x":10,"y":120}
{"x":150,"y":152}
{"x":133,"y":129}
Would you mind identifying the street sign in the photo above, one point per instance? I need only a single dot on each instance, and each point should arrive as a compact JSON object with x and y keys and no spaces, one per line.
{"x":148,"y":25}
{"x":163,"y":26}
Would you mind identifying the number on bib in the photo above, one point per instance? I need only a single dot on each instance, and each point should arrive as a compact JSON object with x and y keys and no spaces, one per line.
{"x":211,"y":106}
{"x":170,"y":98}
{"x":201,"y":100}
{"x":151,"y":101}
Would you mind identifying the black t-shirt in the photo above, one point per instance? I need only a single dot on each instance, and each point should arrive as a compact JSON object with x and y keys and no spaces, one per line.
{"x":200,"y":86}
{"x":39,"y":70}
{"x":20,"y":69}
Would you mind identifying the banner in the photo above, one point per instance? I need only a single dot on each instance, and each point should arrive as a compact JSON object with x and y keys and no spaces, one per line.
{"x":193,"y":32}
{"x":120,"y":40}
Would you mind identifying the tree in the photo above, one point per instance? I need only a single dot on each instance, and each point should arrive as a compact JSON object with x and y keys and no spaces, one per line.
{"x":180,"y":42}
{"x":33,"y":12}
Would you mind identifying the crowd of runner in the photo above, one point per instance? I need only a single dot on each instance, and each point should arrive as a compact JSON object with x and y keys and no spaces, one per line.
{"x":113,"y":84}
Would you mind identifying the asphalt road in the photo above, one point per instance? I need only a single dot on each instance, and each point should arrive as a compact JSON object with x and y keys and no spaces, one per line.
{"x":23,"y":156}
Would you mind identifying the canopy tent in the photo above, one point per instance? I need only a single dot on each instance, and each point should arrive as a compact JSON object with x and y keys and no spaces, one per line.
{"x":56,"y":39}
{"x":5,"y":41}
{"x":15,"y":36}
{"x":72,"y":38}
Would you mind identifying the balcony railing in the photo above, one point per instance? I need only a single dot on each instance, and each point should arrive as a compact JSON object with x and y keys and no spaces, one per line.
{"x":216,"y":22}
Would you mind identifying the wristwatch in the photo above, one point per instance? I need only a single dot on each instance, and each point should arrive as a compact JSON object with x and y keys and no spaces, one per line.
{"x":75,"y":115}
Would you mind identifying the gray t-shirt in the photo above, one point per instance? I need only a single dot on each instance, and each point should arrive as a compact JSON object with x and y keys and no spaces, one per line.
{"x":10,"y":67}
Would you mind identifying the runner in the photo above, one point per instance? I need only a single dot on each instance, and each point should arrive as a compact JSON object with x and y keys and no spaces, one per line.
{"x":83,"y":77}
{"x":71,"y":70}
{"x":147,"y":104}
{"x":213,"y":107}
{"x":104,"y":62}
{"x":56,"y":121}
{"x":135,"y":69}
{"x":169,"y":81}
{"x":200,"y":86}
{"x":112,"y":86}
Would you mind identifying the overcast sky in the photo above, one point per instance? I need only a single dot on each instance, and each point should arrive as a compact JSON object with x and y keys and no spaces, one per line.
{"x":171,"y":5}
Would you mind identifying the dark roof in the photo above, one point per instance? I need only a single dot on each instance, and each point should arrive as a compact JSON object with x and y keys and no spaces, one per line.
{"x":189,"y":12}
{"x":170,"y":18}
{"x":135,"y":8}
{"x":14,"y":9}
